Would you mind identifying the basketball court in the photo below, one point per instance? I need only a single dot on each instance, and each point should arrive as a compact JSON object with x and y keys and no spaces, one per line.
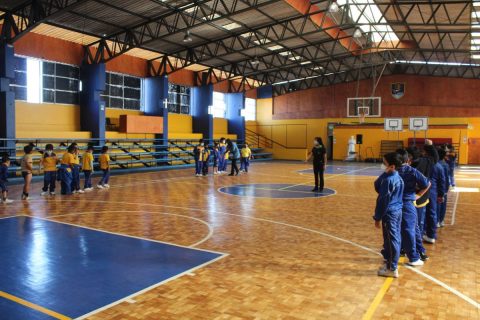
{"x":230,"y":247}
{"x":213,"y":119}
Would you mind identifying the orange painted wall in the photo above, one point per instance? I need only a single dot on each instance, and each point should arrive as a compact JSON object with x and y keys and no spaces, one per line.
{"x":432,"y":96}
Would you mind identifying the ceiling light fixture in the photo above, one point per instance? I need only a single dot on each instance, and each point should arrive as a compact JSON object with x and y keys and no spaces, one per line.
{"x":187,"y":37}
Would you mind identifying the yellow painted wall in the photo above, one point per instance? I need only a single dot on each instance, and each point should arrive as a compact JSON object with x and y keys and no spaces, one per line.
{"x":220,"y":126}
{"x":179,"y":123}
{"x":298,"y":132}
{"x":35,"y":117}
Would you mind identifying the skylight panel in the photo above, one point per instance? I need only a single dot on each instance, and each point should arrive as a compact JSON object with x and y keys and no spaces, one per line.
{"x":369,"y":18}
{"x":231,"y":26}
{"x":275,"y":47}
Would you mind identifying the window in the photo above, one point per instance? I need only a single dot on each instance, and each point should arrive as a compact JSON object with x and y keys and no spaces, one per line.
{"x":60,"y":83}
{"x":38,"y":81}
{"x":219,"y":107}
{"x":178,"y":99}
{"x":250,"y":109}
{"x":123,"y":91}
{"x":19,"y":83}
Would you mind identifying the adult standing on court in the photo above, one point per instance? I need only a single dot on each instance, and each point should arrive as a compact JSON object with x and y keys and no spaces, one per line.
{"x":319,"y":155}
{"x":232,"y":148}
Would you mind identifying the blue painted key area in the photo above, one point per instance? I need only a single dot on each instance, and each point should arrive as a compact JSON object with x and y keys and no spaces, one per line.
{"x":277,"y":191}
{"x":73,"y":270}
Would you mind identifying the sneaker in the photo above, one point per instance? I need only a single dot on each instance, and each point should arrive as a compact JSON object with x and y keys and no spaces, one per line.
{"x":24,"y":197}
{"x":99,"y":186}
{"x":44,"y":193}
{"x":417,"y":263}
{"x":423,"y":256}
{"x":52,"y":193}
{"x":88,"y":189}
{"x":106,"y":185}
{"x":402,"y":253}
{"x":80,"y":191}
{"x":74,"y":191}
{"x":315,"y":190}
{"x":384,"y":272}
{"x":438,"y":224}
{"x":230,"y":175}
{"x":7,"y":201}
{"x":442,"y":224}
{"x":428,"y":240}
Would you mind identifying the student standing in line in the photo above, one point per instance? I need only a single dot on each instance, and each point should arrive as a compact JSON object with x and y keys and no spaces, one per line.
{"x":197,"y":154}
{"x":437,"y":192}
{"x":246,"y":156}
{"x":27,"y":170}
{"x":87,"y":167}
{"x":65,"y":171}
{"x":413,"y":180}
{"x":222,"y":150}
{"x":104,"y":161}
{"x":388,"y":212}
{"x":232,"y":149}
{"x":424,"y":166}
{"x":451,"y":161}
{"x":216,"y":156}
{"x":49,"y":163}
{"x":442,"y":206}
{"x":319,"y":155}
{"x":4,"y":179}
{"x":76,"y":170}
{"x":204,"y":158}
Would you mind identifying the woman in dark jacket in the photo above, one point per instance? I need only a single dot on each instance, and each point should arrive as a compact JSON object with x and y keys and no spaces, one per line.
{"x":232,"y":148}
{"x":319,"y":155}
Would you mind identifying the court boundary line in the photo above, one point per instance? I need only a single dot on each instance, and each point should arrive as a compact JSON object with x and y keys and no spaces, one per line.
{"x":33,"y":306}
{"x":454,"y":211}
{"x":443,"y":285}
{"x":209,"y":227}
{"x":288,"y":198}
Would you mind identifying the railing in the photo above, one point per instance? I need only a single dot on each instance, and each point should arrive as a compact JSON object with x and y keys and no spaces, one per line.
{"x":255,"y":137}
{"x":124,"y":153}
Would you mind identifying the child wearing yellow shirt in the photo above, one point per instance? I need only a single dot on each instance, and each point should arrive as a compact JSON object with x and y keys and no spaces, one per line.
{"x":87,"y":167}
{"x":66,"y":165}
{"x":246,"y":155}
{"x":49,"y":163}
{"x":76,"y":170}
{"x":104,"y":161}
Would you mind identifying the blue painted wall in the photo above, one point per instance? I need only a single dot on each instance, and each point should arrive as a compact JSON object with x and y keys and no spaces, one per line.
{"x":92,"y":107}
{"x":236,"y":123}
{"x":156,"y":91}
{"x":202,"y":121}
{"x":7,"y":98}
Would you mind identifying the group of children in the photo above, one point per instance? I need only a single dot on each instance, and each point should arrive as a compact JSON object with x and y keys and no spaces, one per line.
{"x":65,"y":169}
{"x":412,"y":202}
{"x":222,"y":151}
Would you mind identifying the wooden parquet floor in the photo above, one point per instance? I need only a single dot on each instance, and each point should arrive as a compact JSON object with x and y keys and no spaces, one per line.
{"x":310,"y":258}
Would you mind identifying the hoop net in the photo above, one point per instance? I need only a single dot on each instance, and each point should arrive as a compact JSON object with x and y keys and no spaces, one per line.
{"x":361,"y":116}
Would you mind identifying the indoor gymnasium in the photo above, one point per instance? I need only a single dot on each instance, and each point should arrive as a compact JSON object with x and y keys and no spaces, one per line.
{"x":239,"y":159}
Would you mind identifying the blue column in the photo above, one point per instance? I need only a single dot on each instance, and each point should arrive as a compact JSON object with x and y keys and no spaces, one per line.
{"x":236,"y":122}
{"x":202,"y":121}
{"x":265,"y":92}
{"x":7,"y":98}
{"x":156,"y":93}
{"x":92,"y":107}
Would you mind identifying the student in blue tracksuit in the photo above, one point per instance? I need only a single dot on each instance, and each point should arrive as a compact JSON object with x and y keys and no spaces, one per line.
{"x":388,"y":212}
{"x":413,"y":180}
{"x":222,"y":150}
{"x":437,"y":192}
{"x":216,"y":156}
{"x":442,"y":206}
{"x":451,"y":161}
{"x":424,"y":166}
